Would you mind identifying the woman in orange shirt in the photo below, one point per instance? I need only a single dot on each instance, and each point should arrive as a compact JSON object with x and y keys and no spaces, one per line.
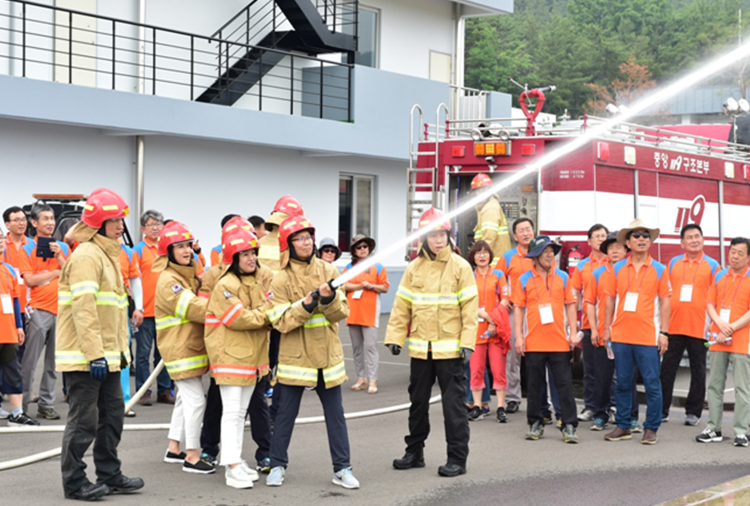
{"x":493,"y":291}
{"x":363,"y":292}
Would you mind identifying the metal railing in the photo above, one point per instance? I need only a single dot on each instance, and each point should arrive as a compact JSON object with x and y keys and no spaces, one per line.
{"x":340,"y":16}
{"x":467,"y":103}
{"x":56,"y":44}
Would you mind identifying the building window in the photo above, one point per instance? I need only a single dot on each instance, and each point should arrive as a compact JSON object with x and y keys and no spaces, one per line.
{"x":369,"y":36}
{"x":356,"y":208}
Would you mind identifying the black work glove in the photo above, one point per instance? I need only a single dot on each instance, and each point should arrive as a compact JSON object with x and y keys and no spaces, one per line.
{"x":466,"y":354}
{"x":395,"y":349}
{"x":311,"y":306}
{"x":327,"y":300}
{"x":98,"y":369}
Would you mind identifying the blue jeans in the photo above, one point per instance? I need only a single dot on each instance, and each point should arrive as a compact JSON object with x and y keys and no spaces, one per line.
{"x":145,"y":338}
{"x":627,"y":357}
{"x":485,"y":391}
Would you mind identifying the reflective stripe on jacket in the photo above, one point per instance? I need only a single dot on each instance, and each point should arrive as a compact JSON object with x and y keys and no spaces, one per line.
{"x":180,"y":314}
{"x":492,"y":227}
{"x":92,"y":320}
{"x":268,"y":253}
{"x":309,"y":341}
{"x":237,"y":328}
{"x":437,"y":300}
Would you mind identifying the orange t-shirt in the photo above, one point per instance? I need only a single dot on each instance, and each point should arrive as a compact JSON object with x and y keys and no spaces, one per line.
{"x":733,"y":293}
{"x":8,"y":288}
{"x":216,"y":255}
{"x":492,"y":288}
{"x":583,"y":273}
{"x":595,"y":290}
{"x":689,"y":318}
{"x":534,"y":292}
{"x":43,"y":297}
{"x":513,"y":264}
{"x":650,"y":283}
{"x":13,"y":257}
{"x":365,"y":310}
{"x":128,"y":265}
{"x":145,"y":253}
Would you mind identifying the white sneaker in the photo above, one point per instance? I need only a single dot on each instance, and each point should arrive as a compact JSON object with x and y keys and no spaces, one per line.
{"x":237,"y":477}
{"x":276,"y":477}
{"x":250,"y":471}
{"x":345,"y":478}
{"x":3,"y":414}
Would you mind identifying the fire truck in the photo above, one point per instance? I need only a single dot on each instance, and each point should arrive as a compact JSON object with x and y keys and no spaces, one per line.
{"x":668,"y":176}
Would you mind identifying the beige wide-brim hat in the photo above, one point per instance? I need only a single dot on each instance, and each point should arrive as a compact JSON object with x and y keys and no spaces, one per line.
{"x":637,"y":224}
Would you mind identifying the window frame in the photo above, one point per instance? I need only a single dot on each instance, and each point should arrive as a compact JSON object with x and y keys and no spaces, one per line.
{"x":354,"y":177}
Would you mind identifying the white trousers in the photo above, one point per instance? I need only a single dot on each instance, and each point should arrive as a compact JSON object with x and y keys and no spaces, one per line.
{"x":187,"y":416}
{"x":235,"y":400}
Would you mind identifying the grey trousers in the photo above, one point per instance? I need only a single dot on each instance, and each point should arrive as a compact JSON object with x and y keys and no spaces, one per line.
{"x":40,"y":333}
{"x":513,"y":368}
{"x":720,"y":361}
{"x":365,"y":348}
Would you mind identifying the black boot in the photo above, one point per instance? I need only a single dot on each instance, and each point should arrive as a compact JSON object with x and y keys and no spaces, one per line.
{"x":125,"y":485}
{"x":89,"y":492}
{"x":451,"y":470}
{"x":410,"y":460}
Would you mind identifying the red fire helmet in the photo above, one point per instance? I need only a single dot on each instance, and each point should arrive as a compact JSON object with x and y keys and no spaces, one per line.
{"x":238,"y":222}
{"x":433,"y":216}
{"x":102,"y":205}
{"x":288,"y":205}
{"x":480,"y":181}
{"x":291,"y":226}
{"x":173,"y":232}
{"x":236,"y":241}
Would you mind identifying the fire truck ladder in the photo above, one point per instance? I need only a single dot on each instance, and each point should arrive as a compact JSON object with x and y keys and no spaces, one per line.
{"x":417,"y":202}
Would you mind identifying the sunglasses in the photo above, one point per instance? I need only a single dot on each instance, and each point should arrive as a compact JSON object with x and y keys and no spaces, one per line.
{"x":361,"y":246}
{"x":328,"y":250}
{"x":640,"y":235}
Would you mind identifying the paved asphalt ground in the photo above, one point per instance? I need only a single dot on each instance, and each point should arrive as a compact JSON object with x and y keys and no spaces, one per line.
{"x":503,"y":468}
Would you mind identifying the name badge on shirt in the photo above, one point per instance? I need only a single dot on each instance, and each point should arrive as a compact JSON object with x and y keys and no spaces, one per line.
{"x":724,"y":314}
{"x":545,"y":314}
{"x":357,"y":294}
{"x":18,"y":275}
{"x":686,"y":293}
{"x":7,"y":303}
{"x":631,"y":301}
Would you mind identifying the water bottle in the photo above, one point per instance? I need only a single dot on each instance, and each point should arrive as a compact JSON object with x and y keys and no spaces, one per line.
{"x":712,"y":337}
{"x":610,"y":353}
{"x":486,"y":335}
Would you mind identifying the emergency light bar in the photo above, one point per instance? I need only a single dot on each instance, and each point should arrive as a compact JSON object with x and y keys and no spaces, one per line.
{"x":492,"y":148}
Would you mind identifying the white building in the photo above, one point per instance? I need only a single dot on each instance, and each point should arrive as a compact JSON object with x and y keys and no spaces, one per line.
{"x":105,"y":93}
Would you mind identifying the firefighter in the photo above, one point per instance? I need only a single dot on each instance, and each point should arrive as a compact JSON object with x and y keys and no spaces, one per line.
{"x":92,"y":341}
{"x":311,"y":354}
{"x":436,"y":300}
{"x":180,"y":315}
{"x":237,"y":344}
{"x":492,"y":226}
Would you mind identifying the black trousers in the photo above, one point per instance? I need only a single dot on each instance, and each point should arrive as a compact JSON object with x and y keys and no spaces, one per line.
{"x":604,"y":371}
{"x":273,"y":361}
{"x":562,"y":375}
{"x":670,"y":362}
{"x":589,"y":370}
{"x":96,"y":414}
{"x":451,"y":376}
{"x":333,"y":411}
{"x":260,"y":424}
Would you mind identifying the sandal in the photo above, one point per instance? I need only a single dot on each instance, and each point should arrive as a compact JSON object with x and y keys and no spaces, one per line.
{"x":373,"y":388}
{"x":359,"y":385}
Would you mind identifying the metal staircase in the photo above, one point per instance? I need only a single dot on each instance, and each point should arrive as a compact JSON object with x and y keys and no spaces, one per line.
{"x":274,"y":28}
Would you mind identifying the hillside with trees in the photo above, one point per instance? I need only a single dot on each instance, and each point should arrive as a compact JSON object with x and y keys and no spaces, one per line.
{"x":600,"y":51}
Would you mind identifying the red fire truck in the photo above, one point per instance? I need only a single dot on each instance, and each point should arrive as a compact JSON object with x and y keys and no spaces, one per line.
{"x":669,"y":176}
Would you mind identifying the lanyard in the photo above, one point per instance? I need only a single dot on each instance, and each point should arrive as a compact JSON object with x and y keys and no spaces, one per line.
{"x":724,"y":298}
{"x":697,"y":266}
{"x":549,"y":292}
{"x":636,"y":277}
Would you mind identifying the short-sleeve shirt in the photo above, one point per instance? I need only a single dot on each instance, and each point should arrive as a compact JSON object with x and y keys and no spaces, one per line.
{"x":13,"y":258}
{"x":216,"y":255}
{"x":146,"y":254}
{"x":492,"y":288}
{"x":128,"y":265}
{"x":582,"y":273}
{"x":733,"y":292}
{"x":595,"y":291}
{"x":532,"y":291}
{"x":43,"y":297}
{"x":8,"y":287}
{"x":651,"y":283}
{"x":365,"y":310}
{"x":689,"y":318}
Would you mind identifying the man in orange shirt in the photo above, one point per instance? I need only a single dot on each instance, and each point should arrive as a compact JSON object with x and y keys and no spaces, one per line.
{"x":544,"y":298}
{"x":145,"y":339}
{"x":11,"y":336}
{"x":582,"y":274}
{"x":41,"y":275}
{"x":728,"y":307}
{"x":16,"y":222}
{"x":691,"y":275}
{"x":641,"y":292}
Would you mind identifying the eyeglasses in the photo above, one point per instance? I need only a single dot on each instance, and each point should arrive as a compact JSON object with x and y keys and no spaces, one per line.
{"x":154,"y":225}
{"x":640,"y":235}
{"x":328,"y":250}
{"x":18,"y":220}
{"x":306,"y":238}
{"x":362,"y":246}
